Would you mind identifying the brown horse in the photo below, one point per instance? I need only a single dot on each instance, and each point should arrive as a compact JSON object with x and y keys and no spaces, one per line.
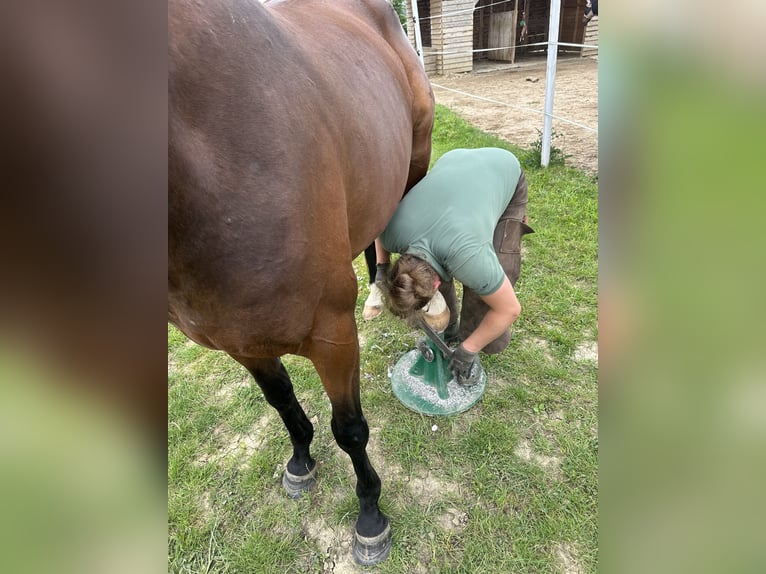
{"x":295,"y":127}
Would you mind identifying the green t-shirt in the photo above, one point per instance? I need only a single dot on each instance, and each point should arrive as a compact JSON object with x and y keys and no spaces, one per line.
{"x":449,"y":217}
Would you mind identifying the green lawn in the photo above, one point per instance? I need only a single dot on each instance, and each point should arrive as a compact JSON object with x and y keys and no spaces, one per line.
{"x":508,"y":486}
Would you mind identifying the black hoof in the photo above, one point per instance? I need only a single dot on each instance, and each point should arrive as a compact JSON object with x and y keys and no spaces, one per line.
{"x":296,"y":485}
{"x":369,"y":551}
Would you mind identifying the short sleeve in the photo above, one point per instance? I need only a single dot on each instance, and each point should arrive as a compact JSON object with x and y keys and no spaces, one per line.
{"x":481,"y":272}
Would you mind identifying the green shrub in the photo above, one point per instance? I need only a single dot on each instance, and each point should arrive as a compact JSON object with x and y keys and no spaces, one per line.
{"x":533,"y":157}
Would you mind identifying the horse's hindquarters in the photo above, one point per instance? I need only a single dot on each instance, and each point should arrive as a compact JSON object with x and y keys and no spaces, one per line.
{"x":293,"y":132}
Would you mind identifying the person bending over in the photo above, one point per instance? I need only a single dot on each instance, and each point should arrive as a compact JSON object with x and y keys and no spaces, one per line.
{"x":464,"y":220}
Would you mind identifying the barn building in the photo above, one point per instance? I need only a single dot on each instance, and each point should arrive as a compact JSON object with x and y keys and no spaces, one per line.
{"x":457,"y":33}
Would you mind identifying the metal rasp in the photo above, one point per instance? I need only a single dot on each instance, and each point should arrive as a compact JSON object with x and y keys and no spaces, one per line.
{"x":438,"y":341}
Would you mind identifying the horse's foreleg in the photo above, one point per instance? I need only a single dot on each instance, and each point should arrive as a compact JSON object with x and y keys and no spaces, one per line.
{"x":337,"y":362}
{"x":272,"y":378}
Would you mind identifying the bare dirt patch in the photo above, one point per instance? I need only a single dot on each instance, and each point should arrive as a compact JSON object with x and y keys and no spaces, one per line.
{"x":335,"y":546}
{"x":524,"y":451}
{"x":566,"y":557}
{"x":587,"y":351}
{"x":454,"y":520}
{"x":429,"y":488}
{"x":236,"y":446}
{"x":522,"y":86}
{"x":205,"y":505}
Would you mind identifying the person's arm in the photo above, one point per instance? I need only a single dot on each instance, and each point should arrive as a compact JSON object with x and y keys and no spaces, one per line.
{"x":383,"y":258}
{"x":504,"y":310}
{"x":381,"y":254}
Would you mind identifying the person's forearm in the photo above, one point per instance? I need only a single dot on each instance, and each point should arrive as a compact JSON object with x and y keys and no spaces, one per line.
{"x":491,"y":327}
{"x":381,"y":253}
{"x":504,"y":309}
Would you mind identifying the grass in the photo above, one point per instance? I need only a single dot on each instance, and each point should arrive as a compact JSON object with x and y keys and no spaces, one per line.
{"x":508,"y":486}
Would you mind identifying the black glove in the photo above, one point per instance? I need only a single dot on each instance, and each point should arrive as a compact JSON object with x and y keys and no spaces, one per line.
{"x":381,"y":270}
{"x":465,"y":366}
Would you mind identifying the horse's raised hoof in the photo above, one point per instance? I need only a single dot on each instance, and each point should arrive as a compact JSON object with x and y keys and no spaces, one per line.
{"x":371,"y":550}
{"x":437,"y":314}
{"x":373,"y":305}
{"x":296,"y":485}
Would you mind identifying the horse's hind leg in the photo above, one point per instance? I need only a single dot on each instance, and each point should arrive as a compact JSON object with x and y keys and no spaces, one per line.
{"x":272,"y":378}
{"x":337,"y":361}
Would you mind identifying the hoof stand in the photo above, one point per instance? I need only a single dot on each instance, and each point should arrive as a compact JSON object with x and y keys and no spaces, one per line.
{"x":296,"y":485}
{"x":371,"y":550}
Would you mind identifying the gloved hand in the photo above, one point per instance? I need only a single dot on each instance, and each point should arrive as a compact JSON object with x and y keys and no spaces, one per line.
{"x":465,"y":366}
{"x":381,"y":270}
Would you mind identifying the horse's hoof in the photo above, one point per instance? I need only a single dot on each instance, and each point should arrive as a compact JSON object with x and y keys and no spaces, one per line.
{"x":369,"y":313}
{"x":436,"y":313}
{"x":373,"y":306}
{"x":371,"y":550}
{"x":296,"y":485}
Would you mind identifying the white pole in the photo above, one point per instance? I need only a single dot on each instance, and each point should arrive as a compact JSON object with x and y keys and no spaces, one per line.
{"x":550,"y":80}
{"x":416,"y":23}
